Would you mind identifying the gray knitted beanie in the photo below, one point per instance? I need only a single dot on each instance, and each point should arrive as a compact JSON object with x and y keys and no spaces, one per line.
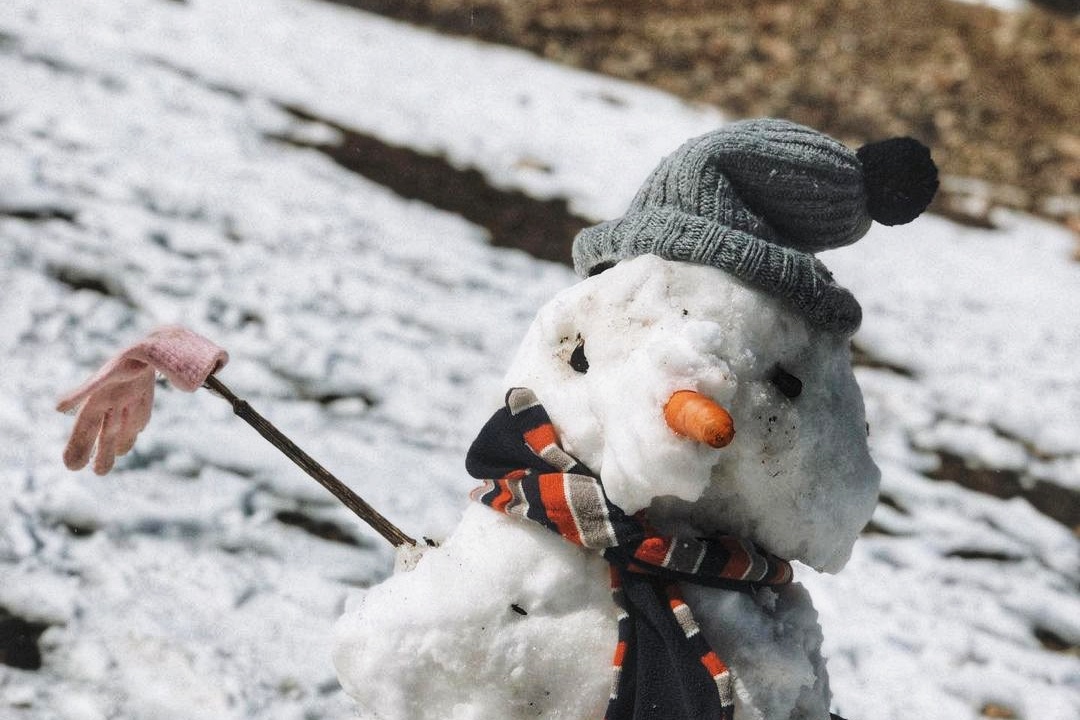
{"x":757,"y":198}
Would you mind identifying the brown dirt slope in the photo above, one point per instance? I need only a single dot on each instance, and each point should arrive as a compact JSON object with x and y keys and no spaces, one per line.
{"x":996,"y":95}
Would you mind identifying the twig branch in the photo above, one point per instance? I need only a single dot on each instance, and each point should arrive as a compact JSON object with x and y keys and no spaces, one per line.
{"x":323,"y":476}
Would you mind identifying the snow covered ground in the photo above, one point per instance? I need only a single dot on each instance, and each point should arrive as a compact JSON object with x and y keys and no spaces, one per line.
{"x":140,"y":185}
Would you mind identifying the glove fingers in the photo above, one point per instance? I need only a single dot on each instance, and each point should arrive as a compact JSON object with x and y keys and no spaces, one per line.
{"x":81,"y":444}
{"x":124,"y":443}
{"x":106,"y":445}
{"x":140,"y":410}
{"x":129,"y":430}
{"x":134,"y":417}
{"x":119,"y":369}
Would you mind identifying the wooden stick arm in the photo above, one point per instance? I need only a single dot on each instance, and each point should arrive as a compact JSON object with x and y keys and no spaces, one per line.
{"x":114,"y":406}
{"x":323,"y":476}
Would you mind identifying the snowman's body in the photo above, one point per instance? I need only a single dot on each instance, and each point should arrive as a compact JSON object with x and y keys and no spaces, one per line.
{"x":508,"y":620}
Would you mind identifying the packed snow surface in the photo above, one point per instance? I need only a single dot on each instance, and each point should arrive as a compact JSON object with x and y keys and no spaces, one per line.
{"x":141,"y":184}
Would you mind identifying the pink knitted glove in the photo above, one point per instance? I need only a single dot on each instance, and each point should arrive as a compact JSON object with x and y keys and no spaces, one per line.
{"x":116,"y":401}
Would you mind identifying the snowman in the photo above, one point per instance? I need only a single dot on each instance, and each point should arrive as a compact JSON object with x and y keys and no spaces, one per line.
{"x":679,"y":428}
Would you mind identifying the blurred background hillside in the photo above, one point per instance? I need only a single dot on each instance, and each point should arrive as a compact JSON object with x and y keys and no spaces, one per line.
{"x":995,"y":93}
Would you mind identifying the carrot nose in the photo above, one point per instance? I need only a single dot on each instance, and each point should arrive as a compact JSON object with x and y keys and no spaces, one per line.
{"x":691,"y":414}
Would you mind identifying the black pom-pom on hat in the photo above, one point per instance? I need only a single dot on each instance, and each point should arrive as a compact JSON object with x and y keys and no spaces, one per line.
{"x":900,"y":179}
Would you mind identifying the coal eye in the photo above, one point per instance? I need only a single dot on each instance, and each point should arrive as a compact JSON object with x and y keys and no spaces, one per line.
{"x":785,"y":382}
{"x":578,"y":361}
{"x":601,"y":267}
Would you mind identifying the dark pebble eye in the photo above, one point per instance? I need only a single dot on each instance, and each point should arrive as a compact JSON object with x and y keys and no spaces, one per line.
{"x":578,"y":361}
{"x":786,"y":383}
{"x":601,"y":267}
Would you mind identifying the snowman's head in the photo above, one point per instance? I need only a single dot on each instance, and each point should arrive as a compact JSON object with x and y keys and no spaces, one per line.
{"x":605,"y":356}
{"x":709,"y":283}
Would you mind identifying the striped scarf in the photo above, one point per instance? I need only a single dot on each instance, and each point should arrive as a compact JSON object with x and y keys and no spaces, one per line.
{"x":663,"y":668}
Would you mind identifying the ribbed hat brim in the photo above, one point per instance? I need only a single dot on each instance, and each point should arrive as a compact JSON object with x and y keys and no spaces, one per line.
{"x":793,"y":276}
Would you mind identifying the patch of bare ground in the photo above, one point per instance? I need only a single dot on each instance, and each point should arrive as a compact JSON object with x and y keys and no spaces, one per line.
{"x":995,"y":94}
{"x":542,"y":228}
